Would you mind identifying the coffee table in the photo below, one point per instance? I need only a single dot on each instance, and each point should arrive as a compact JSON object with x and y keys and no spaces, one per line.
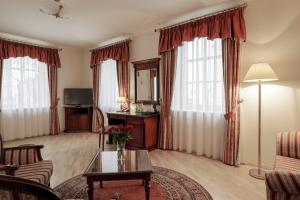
{"x":105,"y":166}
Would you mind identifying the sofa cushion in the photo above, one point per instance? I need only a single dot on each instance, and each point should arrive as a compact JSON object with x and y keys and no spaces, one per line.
{"x":39,"y":172}
{"x":287,"y":163}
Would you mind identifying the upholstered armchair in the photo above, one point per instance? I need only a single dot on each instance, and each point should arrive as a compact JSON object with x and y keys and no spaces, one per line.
{"x":25,"y":162}
{"x":284,"y":182}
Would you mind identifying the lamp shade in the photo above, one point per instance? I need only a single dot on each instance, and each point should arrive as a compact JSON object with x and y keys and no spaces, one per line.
{"x":260,"y":72}
{"x":121,"y":99}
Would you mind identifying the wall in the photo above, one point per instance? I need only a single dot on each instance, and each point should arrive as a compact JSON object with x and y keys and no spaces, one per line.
{"x":273,"y":29}
{"x":69,"y":75}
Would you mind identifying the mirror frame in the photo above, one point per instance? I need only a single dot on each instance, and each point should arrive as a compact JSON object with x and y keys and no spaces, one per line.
{"x":147,"y":64}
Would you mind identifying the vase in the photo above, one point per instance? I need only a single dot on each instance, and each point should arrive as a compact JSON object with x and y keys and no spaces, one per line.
{"x":121,"y":151}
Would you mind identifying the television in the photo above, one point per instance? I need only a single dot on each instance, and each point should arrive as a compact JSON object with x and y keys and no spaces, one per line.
{"x":78,"y":96}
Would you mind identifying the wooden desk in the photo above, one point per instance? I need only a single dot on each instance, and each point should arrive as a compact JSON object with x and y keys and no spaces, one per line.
{"x":145,"y":128}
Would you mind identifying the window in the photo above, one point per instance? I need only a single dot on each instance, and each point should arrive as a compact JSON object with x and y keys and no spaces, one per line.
{"x":25,"y":101}
{"x":199,"y":77}
{"x":25,"y":84}
{"x":108,"y":86}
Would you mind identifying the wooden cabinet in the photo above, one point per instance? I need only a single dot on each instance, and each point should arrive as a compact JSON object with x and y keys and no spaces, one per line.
{"x":78,"y":119}
{"x":145,"y":128}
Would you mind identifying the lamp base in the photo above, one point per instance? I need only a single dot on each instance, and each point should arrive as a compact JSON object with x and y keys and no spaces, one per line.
{"x":259,"y":174}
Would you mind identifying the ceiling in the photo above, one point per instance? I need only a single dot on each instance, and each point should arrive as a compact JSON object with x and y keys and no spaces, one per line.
{"x":91,"y":21}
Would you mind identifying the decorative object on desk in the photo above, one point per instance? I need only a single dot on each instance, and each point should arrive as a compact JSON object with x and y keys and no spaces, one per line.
{"x":139,"y":106}
{"x":121,"y":135}
{"x":259,"y":72}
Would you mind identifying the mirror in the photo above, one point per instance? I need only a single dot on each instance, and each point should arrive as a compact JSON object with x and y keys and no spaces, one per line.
{"x":147,"y":81}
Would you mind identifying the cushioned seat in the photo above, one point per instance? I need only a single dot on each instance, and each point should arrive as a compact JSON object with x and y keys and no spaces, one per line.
{"x":39,"y":172}
{"x":287,"y":163}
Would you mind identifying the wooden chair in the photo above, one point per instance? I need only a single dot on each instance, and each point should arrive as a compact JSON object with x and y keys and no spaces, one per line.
{"x":102,"y":132}
{"x":14,"y":188}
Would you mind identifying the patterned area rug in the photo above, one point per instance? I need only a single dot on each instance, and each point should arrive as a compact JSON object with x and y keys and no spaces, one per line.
{"x":165,"y":184}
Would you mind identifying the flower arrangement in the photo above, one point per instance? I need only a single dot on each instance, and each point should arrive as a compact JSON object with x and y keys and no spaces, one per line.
{"x":121,"y":134}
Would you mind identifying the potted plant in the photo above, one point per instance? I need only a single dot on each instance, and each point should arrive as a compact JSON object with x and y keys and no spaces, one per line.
{"x":121,"y":135}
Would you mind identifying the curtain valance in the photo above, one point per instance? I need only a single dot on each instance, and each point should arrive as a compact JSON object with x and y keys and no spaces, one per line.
{"x":10,"y":49}
{"x":230,"y":24}
{"x":118,"y":52}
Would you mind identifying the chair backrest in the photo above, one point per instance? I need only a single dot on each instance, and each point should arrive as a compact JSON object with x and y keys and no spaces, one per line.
{"x":1,"y":151}
{"x":100,"y":119}
{"x":14,"y":188}
{"x":288,"y":144}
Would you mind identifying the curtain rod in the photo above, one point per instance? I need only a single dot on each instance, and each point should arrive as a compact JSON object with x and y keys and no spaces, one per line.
{"x":111,"y":44}
{"x":202,"y":17}
{"x":29,"y":43}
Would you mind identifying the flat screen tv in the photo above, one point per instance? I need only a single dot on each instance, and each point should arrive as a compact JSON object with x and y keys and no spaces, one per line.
{"x":78,"y":96}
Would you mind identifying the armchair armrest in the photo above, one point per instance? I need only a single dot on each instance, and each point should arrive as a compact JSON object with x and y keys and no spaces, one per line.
{"x":24,"y":154}
{"x":284,"y":182}
{"x":9,"y":169}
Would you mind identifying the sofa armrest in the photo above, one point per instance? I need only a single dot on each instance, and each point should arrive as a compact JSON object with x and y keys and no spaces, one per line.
{"x":9,"y":169}
{"x":24,"y":154}
{"x":283,"y":182}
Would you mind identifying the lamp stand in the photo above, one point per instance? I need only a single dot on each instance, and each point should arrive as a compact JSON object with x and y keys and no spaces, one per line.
{"x":258,"y":173}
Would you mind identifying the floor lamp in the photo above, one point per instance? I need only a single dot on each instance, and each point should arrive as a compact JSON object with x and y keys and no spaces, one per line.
{"x":260,"y":72}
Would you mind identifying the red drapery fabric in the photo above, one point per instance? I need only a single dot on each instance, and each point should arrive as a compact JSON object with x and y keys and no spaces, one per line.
{"x":230,"y":27}
{"x":123,"y":78}
{"x":54,"y":120}
{"x":10,"y":49}
{"x":168,"y":69}
{"x":225,"y":25}
{"x":96,"y":91}
{"x":119,"y":52}
{"x":49,"y":56}
{"x":231,"y":62}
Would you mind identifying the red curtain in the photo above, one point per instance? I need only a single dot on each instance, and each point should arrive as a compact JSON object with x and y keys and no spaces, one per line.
{"x":168,"y":63}
{"x":231,"y":62}
{"x":49,"y":56}
{"x":119,"y":52}
{"x":96,"y":91}
{"x":54,"y":120}
{"x":123,"y":78}
{"x":10,"y":49}
{"x":225,"y":25}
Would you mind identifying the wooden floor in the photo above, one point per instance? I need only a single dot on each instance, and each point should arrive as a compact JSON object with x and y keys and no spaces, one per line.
{"x":71,"y":153}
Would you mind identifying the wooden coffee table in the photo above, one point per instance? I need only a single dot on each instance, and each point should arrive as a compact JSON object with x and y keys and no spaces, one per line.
{"x":105,"y":166}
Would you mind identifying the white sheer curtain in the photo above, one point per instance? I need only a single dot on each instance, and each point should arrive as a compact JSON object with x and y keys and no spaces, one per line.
{"x":198,"y":101}
{"x":108,"y":86}
{"x":25,"y":97}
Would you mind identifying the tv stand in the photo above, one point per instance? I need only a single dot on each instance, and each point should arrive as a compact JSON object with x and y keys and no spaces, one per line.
{"x":78,"y":118}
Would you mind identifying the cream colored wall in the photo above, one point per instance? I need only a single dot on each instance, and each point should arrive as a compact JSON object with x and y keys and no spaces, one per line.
{"x":69,"y":75}
{"x":273,"y":29}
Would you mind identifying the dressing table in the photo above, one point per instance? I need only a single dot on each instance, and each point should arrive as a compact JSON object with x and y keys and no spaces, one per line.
{"x":145,"y":124}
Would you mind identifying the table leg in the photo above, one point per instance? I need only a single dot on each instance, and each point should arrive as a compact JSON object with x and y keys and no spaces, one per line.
{"x":147,"y":186}
{"x":101,"y":184}
{"x":90,"y":188}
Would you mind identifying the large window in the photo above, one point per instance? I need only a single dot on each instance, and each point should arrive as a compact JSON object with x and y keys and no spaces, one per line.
{"x":198,"y":101}
{"x":108,"y":86}
{"x":25,"y":98}
{"x":199,"y":79}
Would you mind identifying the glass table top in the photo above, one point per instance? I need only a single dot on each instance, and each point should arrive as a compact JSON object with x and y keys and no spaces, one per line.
{"x":109,"y":162}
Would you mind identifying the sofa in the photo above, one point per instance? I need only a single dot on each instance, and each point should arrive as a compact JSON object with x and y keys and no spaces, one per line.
{"x":25,"y":162}
{"x":283,"y":183}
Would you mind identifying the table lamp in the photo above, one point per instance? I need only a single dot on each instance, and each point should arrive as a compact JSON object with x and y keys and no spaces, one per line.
{"x":122,"y":101}
{"x":259,"y":72}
